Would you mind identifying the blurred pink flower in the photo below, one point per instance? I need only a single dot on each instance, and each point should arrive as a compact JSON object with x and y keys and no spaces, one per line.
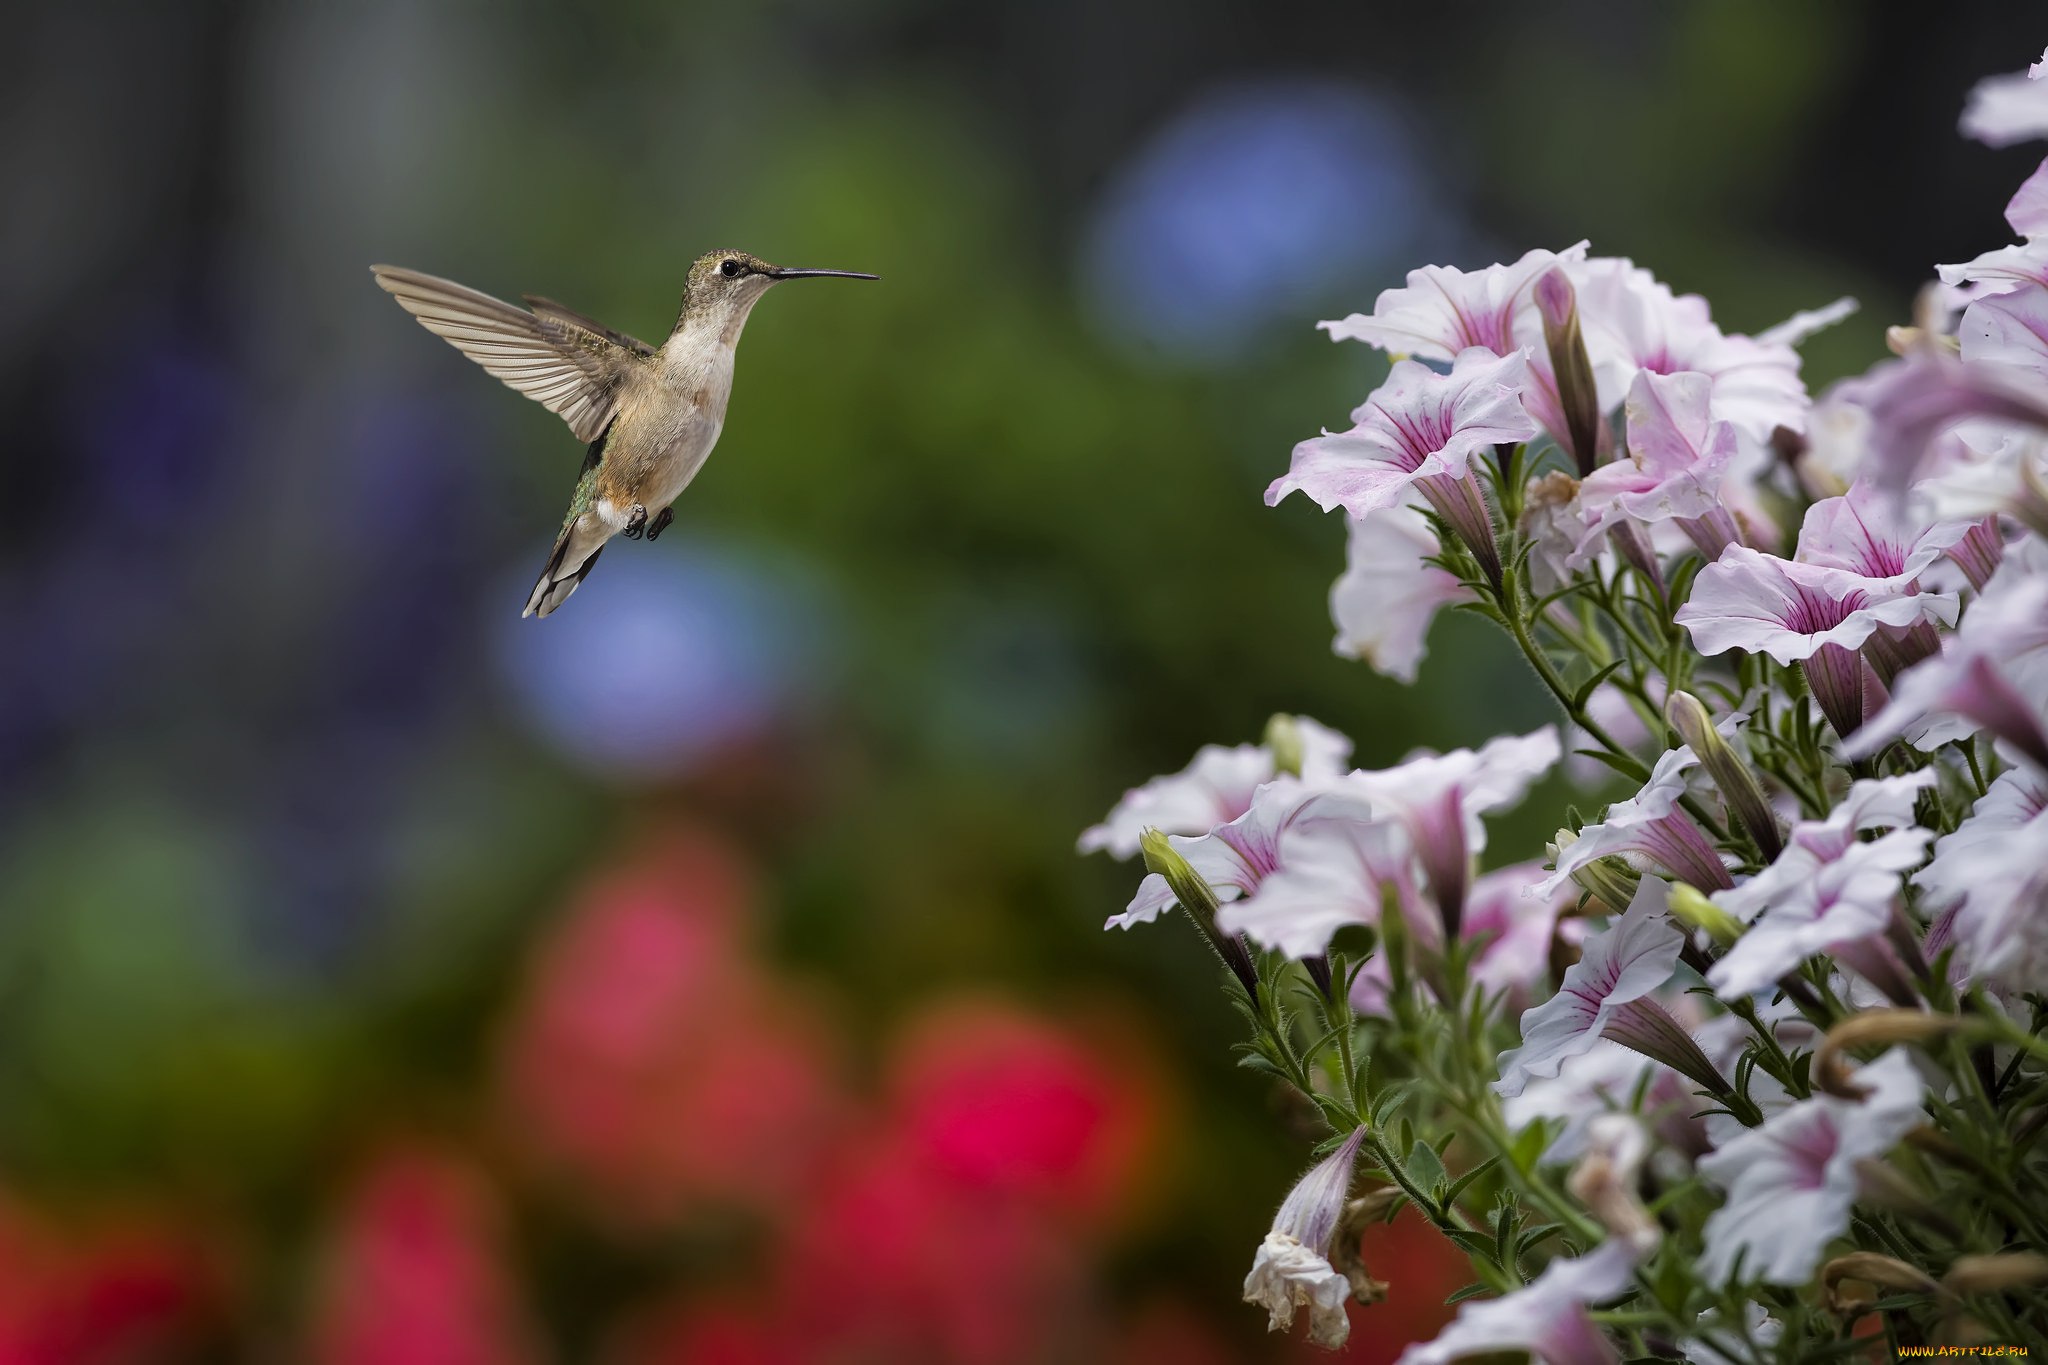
{"x":1546,"y":1317}
{"x":1007,"y":1105}
{"x":651,"y":1062}
{"x":2006,"y":109}
{"x":414,"y":1272}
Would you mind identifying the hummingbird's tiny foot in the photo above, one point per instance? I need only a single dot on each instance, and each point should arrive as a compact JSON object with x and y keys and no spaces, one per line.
{"x":636,"y":524}
{"x":660,"y":523}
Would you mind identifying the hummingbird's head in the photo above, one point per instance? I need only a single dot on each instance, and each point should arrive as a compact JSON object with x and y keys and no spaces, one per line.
{"x":724,"y":286}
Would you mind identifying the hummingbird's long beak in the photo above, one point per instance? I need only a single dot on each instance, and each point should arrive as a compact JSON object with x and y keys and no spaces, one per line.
{"x":783,"y":273}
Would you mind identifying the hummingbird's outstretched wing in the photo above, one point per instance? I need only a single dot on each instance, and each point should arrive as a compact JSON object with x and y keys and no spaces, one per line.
{"x":569,"y":364}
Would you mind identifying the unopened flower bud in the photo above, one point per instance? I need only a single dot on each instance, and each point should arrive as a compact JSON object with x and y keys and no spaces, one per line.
{"x":1867,"y":1267}
{"x":1996,"y":1274}
{"x":1874,"y":1028}
{"x":1199,"y":901}
{"x":1577,"y":395}
{"x":1737,"y":784}
{"x":1695,"y":911}
{"x":1283,"y":741}
{"x":1291,"y":1268}
{"x":1609,"y":881}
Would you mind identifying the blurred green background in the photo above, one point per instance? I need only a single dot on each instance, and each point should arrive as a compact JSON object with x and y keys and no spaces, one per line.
{"x":294,"y":808}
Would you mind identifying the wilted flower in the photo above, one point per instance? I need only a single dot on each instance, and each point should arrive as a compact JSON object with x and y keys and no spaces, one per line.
{"x":1792,"y":1181}
{"x":1291,"y":1268}
{"x":1605,"y":1180}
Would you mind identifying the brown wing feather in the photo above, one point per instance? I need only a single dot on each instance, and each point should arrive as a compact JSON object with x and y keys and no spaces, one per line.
{"x":568,"y":363}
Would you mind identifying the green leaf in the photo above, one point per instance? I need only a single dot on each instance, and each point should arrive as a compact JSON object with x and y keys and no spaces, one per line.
{"x":1459,"y":1185}
{"x":1425,"y":1167}
{"x":1470,"y":1291}
{"x":1259,"y":1061}
{"x":1472,"y":1243}
{"x":1585,"y":689}
{"x":1389,"y":1101}
{"x":1534,"y":1235}
{"x":1528,"y":1147}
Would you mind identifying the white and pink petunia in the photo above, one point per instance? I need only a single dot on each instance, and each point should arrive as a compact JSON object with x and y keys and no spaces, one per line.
{"x":1817,"y":905}
{"x":1792,"y":1181}
{"x":1991,"y":876}
{"x":1417,"y":434}
{"x":1633,"y":322}
{"x":1650,"y":827}
{"x":1620,"y":965}
{"x":1678,"y":459}
{"x":1214,"y":789}
{"x":1546,"y":1317}
{"x":1390,"y":593}
{"x":2003,"y":110}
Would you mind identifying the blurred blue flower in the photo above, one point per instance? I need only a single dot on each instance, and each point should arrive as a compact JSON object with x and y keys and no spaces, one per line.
{"x":1246,"y":209}
{"x":667,"y":654}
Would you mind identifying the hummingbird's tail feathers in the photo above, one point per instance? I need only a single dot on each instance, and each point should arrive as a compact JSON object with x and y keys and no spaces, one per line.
{"x":569,"y":563}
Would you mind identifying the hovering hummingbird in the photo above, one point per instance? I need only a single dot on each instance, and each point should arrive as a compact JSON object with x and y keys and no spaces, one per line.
{"x":650,"y":415}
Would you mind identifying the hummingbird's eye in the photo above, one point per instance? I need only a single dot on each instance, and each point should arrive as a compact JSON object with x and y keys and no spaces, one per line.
{"x":730,"y":268}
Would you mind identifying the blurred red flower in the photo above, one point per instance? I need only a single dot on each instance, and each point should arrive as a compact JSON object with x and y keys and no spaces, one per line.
{"x":414,"y":1271}
{"x":128,"y":1287}
{"x":650,"y":1058}
{"x":1002,"y":1102}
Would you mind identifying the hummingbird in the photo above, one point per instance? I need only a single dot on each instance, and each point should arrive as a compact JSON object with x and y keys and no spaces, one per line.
{"x":648,"y":414}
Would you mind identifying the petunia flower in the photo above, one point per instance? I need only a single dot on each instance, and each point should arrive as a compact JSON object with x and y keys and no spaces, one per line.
{"x":1989,"y":880}
{"x":1814,"y":905}
{"x":1417,"y":434}
{"x":2008,"y":329}
{"x":2003,"y":110}
{"x":1214,"y":789}
{"x":1792,"y":1181}
{"x":1237,"y":857}
{"x":1546,"y":1317}
{"x":1633,"y":322}
{"x":1442,"y":311}
{"x":1992,"y":674}
{"x":1926,"y":394}
{"x":2025,"y":263}
{"x":1805,"y":613}
{"x":1332,"y":873}
{"x":1389,"y":594}
{"x":1650,"y":827}
{"x":1516,"y":927}
{"x":1424,"y":814}
{"x":1867,"y":533}
{"x":1620,"y":965}
{"x":1439,"y":799}
{"x":1678,"y":459}
{"x":1605,"y":1180}
{"x":1291,"y":1269}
